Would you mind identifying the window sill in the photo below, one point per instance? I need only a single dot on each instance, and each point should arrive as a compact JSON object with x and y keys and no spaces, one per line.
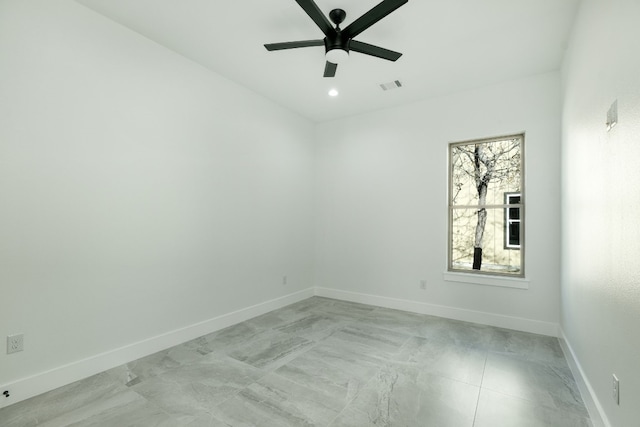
{"x":487,"y":280}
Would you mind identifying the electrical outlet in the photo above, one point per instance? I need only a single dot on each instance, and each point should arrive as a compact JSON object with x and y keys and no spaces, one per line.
{"x":423,"y":284}
{"x":616,"y":390}
{"x":15,"y":343}
{"x":284,"y":280}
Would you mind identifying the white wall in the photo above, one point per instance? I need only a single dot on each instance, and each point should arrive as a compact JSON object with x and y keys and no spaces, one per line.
{"x":382,"y":202}
{"x":139,"y":192}
{"x":601,"y":203}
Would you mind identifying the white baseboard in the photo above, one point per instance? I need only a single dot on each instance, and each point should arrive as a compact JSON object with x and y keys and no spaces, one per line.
{"x":63,"y":375}
{"x":492,"y":319}
{"x":67,"y":374}
{"x":596,"y":413}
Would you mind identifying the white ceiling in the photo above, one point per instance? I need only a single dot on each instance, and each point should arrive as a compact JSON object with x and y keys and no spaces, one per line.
{"x":447,"y":46}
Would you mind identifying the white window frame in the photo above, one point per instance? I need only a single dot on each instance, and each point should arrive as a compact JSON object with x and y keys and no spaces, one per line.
{"x":485,"y":277}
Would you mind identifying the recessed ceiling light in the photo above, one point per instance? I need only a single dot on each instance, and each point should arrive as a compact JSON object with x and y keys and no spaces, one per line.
{"x":333,"y":92}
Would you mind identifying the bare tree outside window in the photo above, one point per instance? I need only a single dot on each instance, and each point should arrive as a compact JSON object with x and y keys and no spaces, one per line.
{"x":482,"y":175}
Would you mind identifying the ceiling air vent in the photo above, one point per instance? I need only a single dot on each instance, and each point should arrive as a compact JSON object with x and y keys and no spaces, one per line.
{"x":391,"y":85}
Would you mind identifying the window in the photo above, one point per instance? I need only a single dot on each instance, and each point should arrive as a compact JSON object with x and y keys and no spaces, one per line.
{"x":486,"y":206}
{"x":512,"y":221}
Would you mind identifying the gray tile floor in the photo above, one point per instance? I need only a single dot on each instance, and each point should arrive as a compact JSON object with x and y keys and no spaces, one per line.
{"x":324,"y":362}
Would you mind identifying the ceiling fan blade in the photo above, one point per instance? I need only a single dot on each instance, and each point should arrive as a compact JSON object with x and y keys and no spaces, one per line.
{"x":318,"y":17}
{"x":330,"y":69}
{"x":293,"y":45}
{"x":371,"y":17}
{"x":369,"y":49}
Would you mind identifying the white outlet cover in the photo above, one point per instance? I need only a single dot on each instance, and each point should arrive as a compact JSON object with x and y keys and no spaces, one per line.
{"x":15,"y":343}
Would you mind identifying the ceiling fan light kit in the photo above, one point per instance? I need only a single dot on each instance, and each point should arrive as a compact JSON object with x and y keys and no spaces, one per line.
{"x":337,"y":56}
{"x":338,"y":42}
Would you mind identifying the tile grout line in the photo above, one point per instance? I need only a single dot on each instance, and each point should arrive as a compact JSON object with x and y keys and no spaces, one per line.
{"x":484,"y":368}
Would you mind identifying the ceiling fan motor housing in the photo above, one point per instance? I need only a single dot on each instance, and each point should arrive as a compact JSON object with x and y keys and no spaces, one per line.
{"x":336,"y":46}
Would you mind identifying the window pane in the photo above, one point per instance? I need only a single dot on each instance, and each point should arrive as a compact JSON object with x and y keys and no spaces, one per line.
{"x":493,"y":256}
{"x":481,"y":173}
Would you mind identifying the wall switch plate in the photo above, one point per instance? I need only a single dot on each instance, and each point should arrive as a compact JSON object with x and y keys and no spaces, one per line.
{"x":423,"y":284}
{"x":616,"y":390}
{"x":284,"y":280}
{"x":15,"y":343}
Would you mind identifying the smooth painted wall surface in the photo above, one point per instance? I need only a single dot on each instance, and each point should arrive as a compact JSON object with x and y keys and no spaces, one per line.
{"x":601,"y":203}
{"x":381,"y":207}
{"x":139,"y":192}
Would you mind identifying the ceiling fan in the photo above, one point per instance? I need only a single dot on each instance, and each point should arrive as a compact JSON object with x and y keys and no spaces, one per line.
{"x":338,"y":42}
